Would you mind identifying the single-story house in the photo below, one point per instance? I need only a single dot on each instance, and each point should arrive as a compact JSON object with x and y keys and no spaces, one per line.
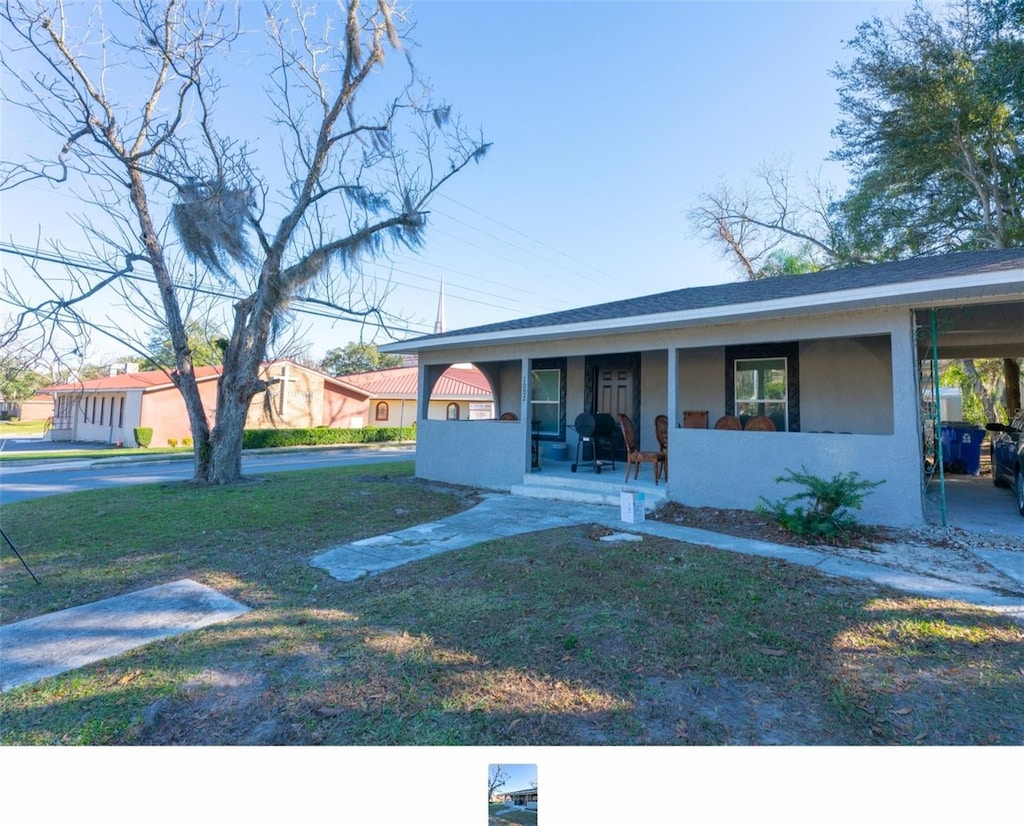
{"x":108,"y":409}
{"x":38,"y":408}
{"x":835,"y":366}
{"x":388,"y":397}
{"x":524,"y":798}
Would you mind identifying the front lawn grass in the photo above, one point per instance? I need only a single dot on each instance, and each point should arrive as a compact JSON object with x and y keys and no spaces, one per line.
{"x":12,"y":430}
{"x":524,"y":818}
{"x":550,"y":638}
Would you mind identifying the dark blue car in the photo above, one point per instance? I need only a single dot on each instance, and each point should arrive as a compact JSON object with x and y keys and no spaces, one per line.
{"x":1008,"y":456}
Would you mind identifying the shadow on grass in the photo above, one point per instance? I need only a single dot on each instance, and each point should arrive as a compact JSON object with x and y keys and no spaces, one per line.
{"x":556,"y":639}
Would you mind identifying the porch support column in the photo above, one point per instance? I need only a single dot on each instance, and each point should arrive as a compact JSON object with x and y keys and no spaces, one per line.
{"x":429,"y":374}
{"x":906,"y":395}
{"x":422,"y":396}
{"x":672,"y":402}
{"x":525,"y":415}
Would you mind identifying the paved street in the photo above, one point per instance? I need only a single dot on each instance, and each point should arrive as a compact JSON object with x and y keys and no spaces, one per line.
{"x":30,"y":480}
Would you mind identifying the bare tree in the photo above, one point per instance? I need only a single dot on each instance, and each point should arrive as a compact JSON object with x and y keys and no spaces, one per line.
{"x":134,"y":91}
{"x":769,"y":221}
{"x":497,"y":778}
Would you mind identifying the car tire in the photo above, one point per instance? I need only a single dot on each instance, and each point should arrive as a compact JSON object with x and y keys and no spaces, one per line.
{"x":997,"y":479}
{"x":1019,"y":480}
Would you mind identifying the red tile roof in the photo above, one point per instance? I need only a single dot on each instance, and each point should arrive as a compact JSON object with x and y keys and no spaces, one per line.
{"x":399,"y":382}
{"x":145,"y":380}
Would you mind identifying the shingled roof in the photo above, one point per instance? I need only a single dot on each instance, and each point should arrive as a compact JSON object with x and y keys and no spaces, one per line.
{"x":695,"y":299}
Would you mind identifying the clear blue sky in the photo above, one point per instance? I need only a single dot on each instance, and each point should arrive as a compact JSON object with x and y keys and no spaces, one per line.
{"x":521,"y":776}
{"x":608,"y":120}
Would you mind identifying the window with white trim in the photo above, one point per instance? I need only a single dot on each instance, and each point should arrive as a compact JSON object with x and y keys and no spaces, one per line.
{"x":545,"y":396}
{"x":760,"y":389}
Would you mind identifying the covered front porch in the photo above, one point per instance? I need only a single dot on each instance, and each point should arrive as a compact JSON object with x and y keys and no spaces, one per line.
{"x":538,"y":400}
{"x":841,"y":396}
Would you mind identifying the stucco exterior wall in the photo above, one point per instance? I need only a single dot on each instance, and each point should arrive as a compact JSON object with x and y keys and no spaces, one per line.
{"x":735,"y":469}
{"x":505,"y":379}
{"x":575,"y":395}
{"x":846,"y":385}
{"x":99,"y":417}
{"x":401,"y":412}
{"x":133,"y":415}
{"x":701,"y":385}
{"x":491,"y":454}
{"x":653,"y":395}
{"x":164,"y":411}
{"x":341,"y":409}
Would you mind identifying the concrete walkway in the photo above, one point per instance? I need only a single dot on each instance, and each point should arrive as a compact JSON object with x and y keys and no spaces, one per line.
{"x":44,"y":646}
{"x":54,"y":643}
{"x":501,"y":515}
{"x":497,"y":516}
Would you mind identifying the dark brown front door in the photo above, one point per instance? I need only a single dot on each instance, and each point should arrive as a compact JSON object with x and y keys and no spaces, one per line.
{"x":615,"y":396}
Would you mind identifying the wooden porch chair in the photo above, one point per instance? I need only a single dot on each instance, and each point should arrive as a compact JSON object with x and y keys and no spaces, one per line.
{"x":509,"y":416}
{"x":728,"y":422}
{"x":661,"y":431}
{"x":762,"y":423}
{"x":635,"y":456}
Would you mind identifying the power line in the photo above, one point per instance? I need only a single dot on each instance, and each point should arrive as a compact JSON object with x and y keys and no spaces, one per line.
{"x":151,"y":279}
{"x":611,"y":278}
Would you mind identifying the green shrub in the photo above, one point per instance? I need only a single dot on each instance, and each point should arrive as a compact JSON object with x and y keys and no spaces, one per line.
{"x":172,"y":442}
{"x":312,"y":436}
{"x":829,"y":506}
{"x":143,"y":436}
{"x":186,"y":441}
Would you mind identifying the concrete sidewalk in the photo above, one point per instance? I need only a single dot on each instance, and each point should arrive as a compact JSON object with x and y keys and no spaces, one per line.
{"x":58,"y":642}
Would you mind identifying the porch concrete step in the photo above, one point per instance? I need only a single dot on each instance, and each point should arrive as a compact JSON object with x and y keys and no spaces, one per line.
{"x":587,"y":491}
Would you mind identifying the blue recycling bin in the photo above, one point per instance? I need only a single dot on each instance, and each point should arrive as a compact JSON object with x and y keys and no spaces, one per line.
{"x":961,"y":447}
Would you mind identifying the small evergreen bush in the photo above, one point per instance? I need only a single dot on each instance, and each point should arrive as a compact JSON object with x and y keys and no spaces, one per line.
{"x":172,"y":442}
{"x":143,"y":436}
{"x":186,"y":441}
{"x":828,"y":512}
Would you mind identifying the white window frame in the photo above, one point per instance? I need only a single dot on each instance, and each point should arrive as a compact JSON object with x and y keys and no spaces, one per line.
{"x":557,"y":401}
{"x":759,"y":399}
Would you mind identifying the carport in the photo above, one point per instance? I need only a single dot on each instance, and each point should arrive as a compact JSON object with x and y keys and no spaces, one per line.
{"x":973,"y":503}
{"x":966,"y":331}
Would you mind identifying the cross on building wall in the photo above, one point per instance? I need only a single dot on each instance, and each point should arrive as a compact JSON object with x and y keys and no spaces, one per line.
{"x":284,"y":380}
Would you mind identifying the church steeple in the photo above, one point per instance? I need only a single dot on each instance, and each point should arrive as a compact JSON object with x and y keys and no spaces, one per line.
{"x":439,"y":325}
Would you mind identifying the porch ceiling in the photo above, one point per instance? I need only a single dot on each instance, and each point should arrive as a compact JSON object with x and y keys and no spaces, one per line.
{"x":977,"y":331}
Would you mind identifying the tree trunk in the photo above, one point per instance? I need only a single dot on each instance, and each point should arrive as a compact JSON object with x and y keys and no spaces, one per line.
{"x":1011,"y":372}
{"x":226,"y":441}
{"x":239,"y":383}
{"x":988,"y":402}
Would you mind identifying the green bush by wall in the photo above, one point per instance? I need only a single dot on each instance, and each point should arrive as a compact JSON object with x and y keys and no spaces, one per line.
{"x":143,"y":436}
{"x":307,"y":436}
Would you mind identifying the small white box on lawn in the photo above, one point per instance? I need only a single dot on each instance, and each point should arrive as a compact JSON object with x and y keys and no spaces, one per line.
{"x":632,"y":505}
